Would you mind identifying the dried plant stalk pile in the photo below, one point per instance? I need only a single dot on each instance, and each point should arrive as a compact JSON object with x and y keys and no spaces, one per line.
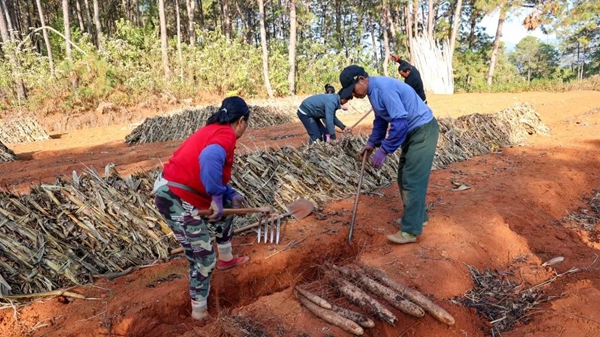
{"x":20,"y":130}
{"x":62,"y":234}
{"x":183,"y":124}
{"x":473,"y":135}
{"x":6,"y":154}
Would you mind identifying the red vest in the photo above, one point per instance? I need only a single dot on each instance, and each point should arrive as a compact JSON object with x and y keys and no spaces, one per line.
{"x":184,"y":165}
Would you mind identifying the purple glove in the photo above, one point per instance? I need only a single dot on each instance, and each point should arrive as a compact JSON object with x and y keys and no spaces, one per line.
{"x":238,"y":200}
{"x":327,"y":137}
{"x":378,"y":159}
{"x":217,"y":206}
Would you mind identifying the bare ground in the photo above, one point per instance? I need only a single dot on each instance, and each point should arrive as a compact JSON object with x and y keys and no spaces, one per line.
{"x":509,"y":218}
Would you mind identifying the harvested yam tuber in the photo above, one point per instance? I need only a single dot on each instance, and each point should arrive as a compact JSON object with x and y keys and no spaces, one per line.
{"x":357,"y":317}
{"x":332,"y":317}
{"x":314,"y":298}
{"x":386,"y":293}
{"x":360,"y":298}
{"x":411,"y":294}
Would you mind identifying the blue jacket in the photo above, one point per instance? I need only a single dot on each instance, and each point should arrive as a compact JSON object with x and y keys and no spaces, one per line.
{"x":323,"y":106}
{"x":397,"y":106}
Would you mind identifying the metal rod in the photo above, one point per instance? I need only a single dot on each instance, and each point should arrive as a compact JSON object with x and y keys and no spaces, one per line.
{"x":360,"y":180}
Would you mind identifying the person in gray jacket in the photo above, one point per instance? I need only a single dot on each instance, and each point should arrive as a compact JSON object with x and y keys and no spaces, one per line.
{"x":318,"y":108}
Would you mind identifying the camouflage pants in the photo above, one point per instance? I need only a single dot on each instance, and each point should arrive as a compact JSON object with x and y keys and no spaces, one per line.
{"x":195,"y":236}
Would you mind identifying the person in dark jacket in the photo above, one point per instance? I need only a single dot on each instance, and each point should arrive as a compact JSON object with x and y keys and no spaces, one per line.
{"x":411,"y":76}
{"x":318,"y":108}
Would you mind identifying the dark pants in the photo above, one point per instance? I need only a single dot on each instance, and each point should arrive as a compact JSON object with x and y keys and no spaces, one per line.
{"x":416,"y":160}
{"x":315,"y":128}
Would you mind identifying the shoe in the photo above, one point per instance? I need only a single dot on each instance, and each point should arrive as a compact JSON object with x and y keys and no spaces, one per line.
{"x":237,"y":260}
{"x":199,"y":311}
{"x":398,"y":222}
{"x":402,"y":237}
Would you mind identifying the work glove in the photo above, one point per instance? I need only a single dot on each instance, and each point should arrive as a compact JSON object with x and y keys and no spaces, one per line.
{"x":217,"y":206}
{"x":366,"y":150}
{"x":238,"y":200}
{"x":378,"y":159}
{"x":344,"y":107}
{"x":327,"y":137}
{"x":348,"y":130}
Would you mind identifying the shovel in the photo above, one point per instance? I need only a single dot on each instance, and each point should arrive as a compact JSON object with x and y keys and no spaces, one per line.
{"x":299,"y":209}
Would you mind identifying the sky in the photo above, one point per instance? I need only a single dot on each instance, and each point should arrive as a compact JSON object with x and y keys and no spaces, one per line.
{"x":513,"y":31}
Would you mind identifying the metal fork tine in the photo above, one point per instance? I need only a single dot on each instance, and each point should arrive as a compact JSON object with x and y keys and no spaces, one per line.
{"x":266,"y":229}
{"x":278,"y":231}
{"x":259,"y":228}
{"x":272,"y":229}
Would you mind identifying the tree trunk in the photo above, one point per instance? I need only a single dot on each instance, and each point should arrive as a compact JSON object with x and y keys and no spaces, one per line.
{"x":292,"y":48}
{"x":200,"y":14}
{"x":179,"y":53}
{"x":8,"y":21}
{"x":46,"y":39}
{"x":455,"y":24}
{"x":386,"y":42}
{"x":265,"y":51}
{"x":136,"y":12}
{"x":88,"y":18}
{"x":494,"y":58}
{"x":163,"y":38}
{"x":226,"y":20}
{"x":65,"y":8}
{"x":473,"y":25}
{"x":409,"y":33}
{"x":373,"y":41}
{"x":12,"y":57}
{"x":390,"y":22}
{"x":79,"y":16}
{"x":416,"y":17}
{"x":98,"y":26}
{"x":125,"y":9}
{"x":430,"y":16}
{"x":190,"y":5}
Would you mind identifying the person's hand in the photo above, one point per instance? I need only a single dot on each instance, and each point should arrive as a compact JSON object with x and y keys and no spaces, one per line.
{"x":344,"y":107}
{"x":238,"y":200}
{"x":327,"y":137}
{"x":367,"y":149}
{"x":348,"y":130}
{"x":217,"y":207}
{"x":378,"y":159}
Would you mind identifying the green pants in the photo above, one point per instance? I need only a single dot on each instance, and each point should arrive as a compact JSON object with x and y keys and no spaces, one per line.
{"x":418,"y":151}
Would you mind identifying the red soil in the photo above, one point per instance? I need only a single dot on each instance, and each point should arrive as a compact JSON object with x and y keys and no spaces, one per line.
{"x":507,"y":219}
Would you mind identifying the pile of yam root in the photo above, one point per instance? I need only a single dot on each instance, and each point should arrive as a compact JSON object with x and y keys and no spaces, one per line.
{"x":351,"y":281}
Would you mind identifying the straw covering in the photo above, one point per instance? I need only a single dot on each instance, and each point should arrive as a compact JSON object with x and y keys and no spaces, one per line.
{"x":6,"y":154}
{"x":62,"y":234}
{"x":20,"y":130}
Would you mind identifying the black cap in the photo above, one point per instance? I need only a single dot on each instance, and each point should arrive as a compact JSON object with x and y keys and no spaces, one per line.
{"x":329,"y":89}
{"x":348,"y":78}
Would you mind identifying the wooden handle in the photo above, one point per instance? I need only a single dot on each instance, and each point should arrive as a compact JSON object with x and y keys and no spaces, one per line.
{"x":361,"y":119}
{"x":237,"y":211}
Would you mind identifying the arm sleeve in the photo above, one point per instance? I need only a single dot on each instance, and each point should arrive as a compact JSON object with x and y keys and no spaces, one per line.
{"x":380,"y":126}
{"x":338,"y":123}
{"x":212,"y":160}
{"x":330,"y":118}
{"x":396,"y":136}
{"x":229,"y":192}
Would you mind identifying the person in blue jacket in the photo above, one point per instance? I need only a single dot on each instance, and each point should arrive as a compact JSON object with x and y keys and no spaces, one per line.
{"x":402,"y":120}
{"x":318,"y":108}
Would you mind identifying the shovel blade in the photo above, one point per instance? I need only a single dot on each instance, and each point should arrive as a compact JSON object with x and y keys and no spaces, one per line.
{"x":300,"y":208}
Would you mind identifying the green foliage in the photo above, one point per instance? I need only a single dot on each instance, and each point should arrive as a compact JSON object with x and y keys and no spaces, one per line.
{"x":534,"y":59}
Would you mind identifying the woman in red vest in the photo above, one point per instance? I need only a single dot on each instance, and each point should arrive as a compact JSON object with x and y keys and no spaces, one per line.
{"x":196,"y":177}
